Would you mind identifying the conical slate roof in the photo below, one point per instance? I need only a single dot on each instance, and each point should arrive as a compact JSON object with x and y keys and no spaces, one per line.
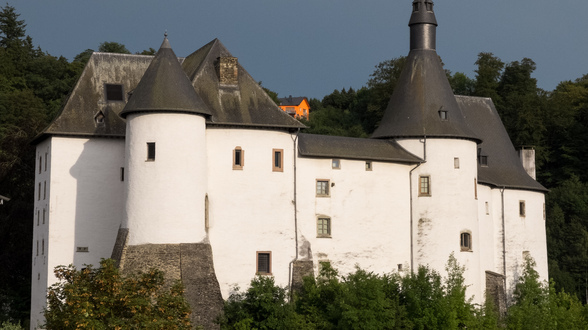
{"x":423,"y":104}
{"x":165,"y":88}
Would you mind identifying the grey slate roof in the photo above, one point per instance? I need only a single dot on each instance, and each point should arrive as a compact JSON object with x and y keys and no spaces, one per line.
{"x":165,"y":87}
{"x":504,"y":165}
{"x":292,"y":101}
{"x":244,"y":104}
{"x":326,"y":146}
{"x":421,"y":92}
{"x":87,"y":98}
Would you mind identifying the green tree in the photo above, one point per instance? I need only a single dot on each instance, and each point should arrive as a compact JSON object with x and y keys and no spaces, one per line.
{"x":113,"y":47}
{"x":462,"y":84}
{"x":488,"y":76}
{"x":100,"y":298}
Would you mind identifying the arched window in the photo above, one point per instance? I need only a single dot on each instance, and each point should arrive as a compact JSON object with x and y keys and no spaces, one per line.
{"x":465,"y":241}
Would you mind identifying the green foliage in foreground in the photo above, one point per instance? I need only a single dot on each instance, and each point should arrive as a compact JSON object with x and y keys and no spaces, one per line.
{"x":419,"y":300}
{"x":100,"y":298}
{"x":10,"y":326}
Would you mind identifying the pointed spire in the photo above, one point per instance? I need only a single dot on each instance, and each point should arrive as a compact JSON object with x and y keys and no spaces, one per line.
{"x":423,"y":104}
{"x":423,"y":25}
{"x":165,"y":87}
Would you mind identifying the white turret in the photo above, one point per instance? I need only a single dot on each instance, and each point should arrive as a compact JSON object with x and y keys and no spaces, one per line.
{"x":165,"y":156}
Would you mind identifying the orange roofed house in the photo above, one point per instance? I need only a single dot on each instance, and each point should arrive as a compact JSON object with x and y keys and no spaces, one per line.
{"x":297,"y":107}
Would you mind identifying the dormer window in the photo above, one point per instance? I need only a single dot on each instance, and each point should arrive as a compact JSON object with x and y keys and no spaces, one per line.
{"x":99,"y":118}
{"x":114,"y":92}
{"x":483,"y":160}
{"x":443,"y":115}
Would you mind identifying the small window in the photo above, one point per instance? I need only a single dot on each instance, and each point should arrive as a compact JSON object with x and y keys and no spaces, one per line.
{"x":522,"y":208}
{"x":150,"y":151}
{"x":40,"y":164}
{"x":368,"y":166}
{"x":399,"y":267}
{"x":475,"y":188}
{"x":429,"y":6}
{"x":483,"y":161}
{"x":44,"y":190}
{"x":264,"y":263}
{"x":45,"y":162}
{"x":82,"y":249}
{"x":39,"y":194}
{"x":323,"y":227}
{"x":122,"y":174}
{"x":322,"y":188}
{"x":238,"y":158}
{"x":424,"y":186}
{"x":43,"y":247}
{"x":114,"y":92}
{"x":443,"y":115}
{"x":278,"y":159}
{"x":544,"y":213}
{"x":99,"y":118}
{"x":487,"y":208}
{"x":44,"y":214}
{"x":336,"y":164}
{"x":415,"y":6}
{"x":37,"y":247}
{"x":456,"y":162}
{"x":38,"y":216}
{"x":466,"y":242}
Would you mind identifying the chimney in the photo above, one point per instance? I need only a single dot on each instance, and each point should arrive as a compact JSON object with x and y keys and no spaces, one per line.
{"x":527,"y":156}
{"x":227,"y":70}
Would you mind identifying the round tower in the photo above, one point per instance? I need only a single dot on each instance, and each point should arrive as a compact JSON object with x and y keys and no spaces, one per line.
{"x":424,"y":117}
{"x":165,"y":156}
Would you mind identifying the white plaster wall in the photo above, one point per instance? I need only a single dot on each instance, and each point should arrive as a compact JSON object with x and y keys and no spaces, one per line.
{"x":524,"y":234}
{"x":451,"y":209}
{"x":165,"y":197}
{"x":369,"y":211}
{"x":84,"y":197}
{"x":490,"y":232}
{"x":250,"y":209}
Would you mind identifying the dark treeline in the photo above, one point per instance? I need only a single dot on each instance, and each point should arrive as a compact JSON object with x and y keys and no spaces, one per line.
{"x":34,"y":85}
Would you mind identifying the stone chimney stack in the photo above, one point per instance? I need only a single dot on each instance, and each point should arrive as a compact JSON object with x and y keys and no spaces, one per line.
{"x":527,"y":155}
{"x":227,"y":70}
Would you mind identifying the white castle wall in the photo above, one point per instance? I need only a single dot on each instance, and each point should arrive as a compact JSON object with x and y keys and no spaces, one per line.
{"x":250,"y":209}
{"x":165,"y":197}
{"x":369,"y":213}
{"x":84,"y":207}
{"x":451,"y":208}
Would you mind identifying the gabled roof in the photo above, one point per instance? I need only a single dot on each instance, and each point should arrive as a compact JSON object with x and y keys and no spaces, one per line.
{"x":504,"y":165}
{"x":327,"y":146}
{"x":292,"y":101}
{"x":165,"y":88}
{"x":242,"y":104}
{"x":88,"y":99}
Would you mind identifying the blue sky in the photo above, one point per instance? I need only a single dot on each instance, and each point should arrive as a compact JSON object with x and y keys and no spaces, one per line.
{"x":311,"y":47}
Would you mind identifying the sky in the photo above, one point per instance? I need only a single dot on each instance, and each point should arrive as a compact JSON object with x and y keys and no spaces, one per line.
{"x":312,"y":47}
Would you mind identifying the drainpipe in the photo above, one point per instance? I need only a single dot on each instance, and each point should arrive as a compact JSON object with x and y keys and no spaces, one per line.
{"x":503,"y":236}
{"x":411,"y":202}
{"x":294,"y":201}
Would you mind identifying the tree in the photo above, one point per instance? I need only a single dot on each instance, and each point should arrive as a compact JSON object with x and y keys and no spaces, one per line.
{"x":113,"y":47}
{"x":100,"y":298}
{"x":488,"y":76}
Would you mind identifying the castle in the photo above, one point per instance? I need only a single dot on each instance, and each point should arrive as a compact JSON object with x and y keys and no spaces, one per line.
{"x":187,"y":165}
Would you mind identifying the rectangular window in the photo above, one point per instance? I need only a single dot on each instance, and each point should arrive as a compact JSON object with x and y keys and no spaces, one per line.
{"x":323,"y":227}
{"x":45,"y":161}
{"x":336,"y":164}
{"x":443,"y":115}
{"x":264,"y":263}
{"x":82,"y":249}
{"x":114,"y":92}
{"x":368,"y":166}
{"x":37,"y":247}
{"x":122,"y":174}
{"x":43,"y":247}
{"x":278,"y":159}
{"x":38,"y":216}
{"x":424,"y":185}
{"x":522,"y":208}
{"x":322,"y":188}
{"x":44,"y":213}
{"x":39,"y":194}
{"x":466,"y":242}
{"x":456,"y":163}
{"x":150,"y":151}
{"x":238,"y":158}
{"x":44,"y":190}
{"x":487,"y":208}
{"x":483,"y":161}
{"x":40,"y":164}
{"x":475,"y":188}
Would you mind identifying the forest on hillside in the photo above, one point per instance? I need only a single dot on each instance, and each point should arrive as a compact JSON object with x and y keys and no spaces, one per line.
{"x":34,"y":85}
